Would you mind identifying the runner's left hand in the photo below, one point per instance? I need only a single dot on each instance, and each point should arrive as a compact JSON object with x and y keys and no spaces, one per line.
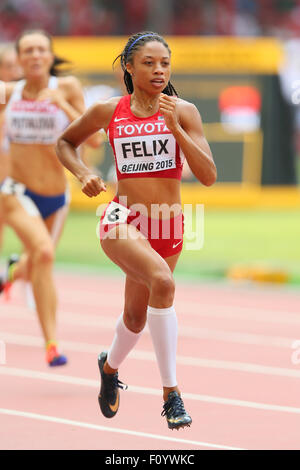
{"x":92,"y":185}
{"x":167,"y":107}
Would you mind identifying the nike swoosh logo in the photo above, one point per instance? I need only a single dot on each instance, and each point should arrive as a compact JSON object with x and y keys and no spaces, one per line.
{"x":175,"y":420}
{"x":115,"y":407}
{"x":120,"y":119}
{"x":176,"y":244}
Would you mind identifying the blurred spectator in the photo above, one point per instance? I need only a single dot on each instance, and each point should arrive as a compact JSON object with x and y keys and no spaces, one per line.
{"x":10,"y":69}
{"x":188,"y":17}
{"x":15,"y":15}
{"x":182,"y":17}
{"x":246,"y":19}
{"x":290,"y":82}
{"x":135,"y":15}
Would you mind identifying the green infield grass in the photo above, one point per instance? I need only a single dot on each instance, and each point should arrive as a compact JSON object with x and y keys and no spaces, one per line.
{"x":231,"y":237}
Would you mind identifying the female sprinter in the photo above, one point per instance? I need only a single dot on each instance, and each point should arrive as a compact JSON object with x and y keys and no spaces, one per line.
{"x":34,"y":196}
{"x":9,"y":71}
{"x":150,"y":130}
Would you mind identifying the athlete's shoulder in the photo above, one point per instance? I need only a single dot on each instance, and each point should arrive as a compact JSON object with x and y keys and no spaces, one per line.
{"x":8,"y":89}
{"x":108,"y":106}
{"x":185,"y":105}
{"x":113,"y":101}
{"x":187,"y":110}
{"x":68,"y":80}
{"x":102,"y":111}
{"x":69,"y":84}
{"x":10,"y":86}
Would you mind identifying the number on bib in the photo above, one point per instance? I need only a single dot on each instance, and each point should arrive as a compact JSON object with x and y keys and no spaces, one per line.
{"x":113,"y":216}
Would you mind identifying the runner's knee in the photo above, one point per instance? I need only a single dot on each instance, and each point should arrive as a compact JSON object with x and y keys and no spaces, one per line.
{"x":44,"y":254}
{"x":163,"y":285}
{"x":135,"y":318}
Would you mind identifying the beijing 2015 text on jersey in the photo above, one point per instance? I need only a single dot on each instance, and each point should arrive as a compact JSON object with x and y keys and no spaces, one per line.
{"x":143,"y":147}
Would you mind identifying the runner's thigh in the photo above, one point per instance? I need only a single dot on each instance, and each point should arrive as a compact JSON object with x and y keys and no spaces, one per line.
{"x":137,"y":294}
{"x":30,"y":229}
{"x":133,"y":253}
{"x":55,"y":223}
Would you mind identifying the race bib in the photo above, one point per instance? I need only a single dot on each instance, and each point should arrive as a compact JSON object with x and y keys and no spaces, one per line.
{"x":147,"y":153}
{"x":115,"y":214}
{"x":33,"y":122}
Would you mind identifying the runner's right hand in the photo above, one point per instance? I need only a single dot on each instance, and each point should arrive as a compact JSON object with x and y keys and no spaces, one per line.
{"x":92,"y":185}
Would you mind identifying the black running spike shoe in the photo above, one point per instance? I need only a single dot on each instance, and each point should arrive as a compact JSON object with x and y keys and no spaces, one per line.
{"x":5,"y":282}
{"x":175,"y":413}
{"x":109,"y":396}
{"x":2,"y":284}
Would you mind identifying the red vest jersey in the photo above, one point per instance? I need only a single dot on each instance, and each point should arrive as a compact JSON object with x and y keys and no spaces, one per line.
{"x":143,"y":147}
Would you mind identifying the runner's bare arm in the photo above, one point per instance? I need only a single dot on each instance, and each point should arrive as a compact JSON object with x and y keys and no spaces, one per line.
{"x":76,"y":101}
{"x":186,"y":125}
{"x":6,"y":90}
{"x":95,"y":118}
{"x":69,"y":97}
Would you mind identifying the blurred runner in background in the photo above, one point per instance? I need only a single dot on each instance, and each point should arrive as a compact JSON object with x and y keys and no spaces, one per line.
{"x":10,"y":71}
{"x":35,"y":194}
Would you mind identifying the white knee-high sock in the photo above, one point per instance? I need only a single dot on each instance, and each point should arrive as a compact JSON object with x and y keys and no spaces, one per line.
{"x":163,"y":327}
{"x":123,"y":342}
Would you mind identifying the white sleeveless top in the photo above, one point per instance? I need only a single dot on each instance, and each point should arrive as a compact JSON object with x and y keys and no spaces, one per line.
{"x":31,"y":121}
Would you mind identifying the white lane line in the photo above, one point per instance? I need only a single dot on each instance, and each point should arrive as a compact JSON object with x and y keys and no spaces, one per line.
{"x":27,"y":340}
{"x":81,"y":297}
{"x":94,"y":297}
{"x":96,"y":427}
{"x":261,"y":315}
{"x":184,"y":331}
{"x":71,"y":380}
{"x":190,"y":307}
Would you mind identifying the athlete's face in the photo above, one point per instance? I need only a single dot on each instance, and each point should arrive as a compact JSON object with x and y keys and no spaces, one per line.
{"x":10,"y":69}
{"x":35,"y":55}
{"x":150,"y":68}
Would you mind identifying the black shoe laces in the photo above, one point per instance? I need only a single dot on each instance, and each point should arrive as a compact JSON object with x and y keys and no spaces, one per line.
{"x":173,"y":407}
{"x":113,"y":382}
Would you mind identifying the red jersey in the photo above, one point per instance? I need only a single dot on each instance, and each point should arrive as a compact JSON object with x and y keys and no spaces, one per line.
{"x":143,"y":147}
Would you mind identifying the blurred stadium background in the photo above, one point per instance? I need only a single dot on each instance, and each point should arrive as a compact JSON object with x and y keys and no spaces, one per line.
{"x":238,"y":61}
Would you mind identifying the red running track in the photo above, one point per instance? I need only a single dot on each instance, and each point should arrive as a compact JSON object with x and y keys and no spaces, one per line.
{"x":237,"y":369}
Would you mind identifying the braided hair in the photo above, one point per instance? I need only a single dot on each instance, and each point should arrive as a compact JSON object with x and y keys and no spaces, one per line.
{"x":54,"y":70}
{"x":135,"y":42}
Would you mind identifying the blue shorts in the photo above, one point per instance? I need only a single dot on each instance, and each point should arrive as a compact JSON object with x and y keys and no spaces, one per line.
{"x":34,"y":204}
